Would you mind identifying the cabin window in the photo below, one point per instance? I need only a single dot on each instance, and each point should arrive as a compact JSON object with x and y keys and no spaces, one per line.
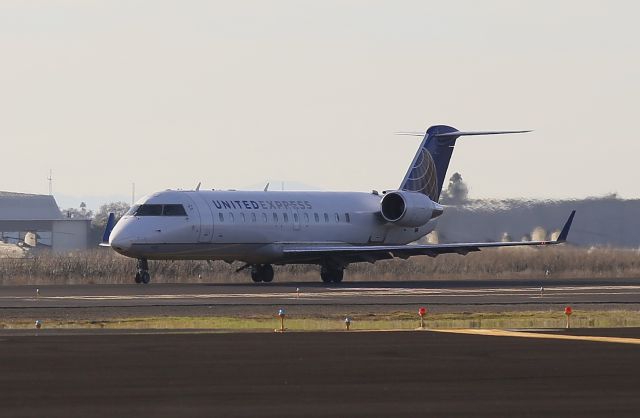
{"x":253,"y":217}
{"x":347,"y":217}
{"x":221,"y":216}
{"x":264,"y":217}
{"x":231,"y":218}
{"x":275,"y":217}
{"x":326,"y":218}
{"x":315,"y":215}
{"x":295,"y":217}
{"x":306,"y":218}
{"x":173,"y":210}
{"x":285,"y":217}
{"x":337,"y":218}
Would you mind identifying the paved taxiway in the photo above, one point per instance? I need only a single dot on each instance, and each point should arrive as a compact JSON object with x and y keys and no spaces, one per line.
{"x":372,"y":374}
{"x":440,"y":296}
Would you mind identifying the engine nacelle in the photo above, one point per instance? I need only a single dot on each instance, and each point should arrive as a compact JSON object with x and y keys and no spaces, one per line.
{"x":408,"y":208}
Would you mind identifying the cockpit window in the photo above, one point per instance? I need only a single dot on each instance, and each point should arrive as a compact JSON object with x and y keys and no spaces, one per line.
{"x":173,"y":210}
{"x":149,"y":210}
{"x":157,"y":210}
{"x":132,"y":210}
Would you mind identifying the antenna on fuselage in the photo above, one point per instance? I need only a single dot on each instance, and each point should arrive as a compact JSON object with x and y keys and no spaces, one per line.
{"x":50,"y":178}
{"x":266,"y":188}
{"x":198,"y":186}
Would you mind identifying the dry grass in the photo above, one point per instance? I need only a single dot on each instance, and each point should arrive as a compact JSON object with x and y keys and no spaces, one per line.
{"x":105,"y":266}
{"x":396,"y":321}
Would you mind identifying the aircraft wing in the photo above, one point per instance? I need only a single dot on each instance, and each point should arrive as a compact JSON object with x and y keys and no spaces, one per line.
{"x":373,"y":253}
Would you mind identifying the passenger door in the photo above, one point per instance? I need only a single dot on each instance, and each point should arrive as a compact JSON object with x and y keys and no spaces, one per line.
{"x":205,"y":228}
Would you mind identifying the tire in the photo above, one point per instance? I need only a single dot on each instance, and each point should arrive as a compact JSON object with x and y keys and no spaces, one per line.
{"x":255,"y":275}
{"x":338,"y":275}
{"x":331,"y":275}
{"x":326,"y":277}
{"x":266,"y":272}
{"x":145,"y":277}
{"x":138,"y":278}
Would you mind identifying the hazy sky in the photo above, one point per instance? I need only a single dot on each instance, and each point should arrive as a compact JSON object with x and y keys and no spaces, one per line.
{"x":169,"y":93}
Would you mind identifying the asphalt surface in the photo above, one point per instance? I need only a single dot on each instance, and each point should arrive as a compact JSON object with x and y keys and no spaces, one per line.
{"x":219,"y":299}
{"x":376,"y":374}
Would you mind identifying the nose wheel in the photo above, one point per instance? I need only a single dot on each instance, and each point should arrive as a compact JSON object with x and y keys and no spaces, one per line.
{"x":262,"y":273}
{"x":142,"y":275}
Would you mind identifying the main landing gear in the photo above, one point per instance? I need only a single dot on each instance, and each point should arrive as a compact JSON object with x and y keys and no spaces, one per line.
{"x":142,"y":275}
{"x":331,"y":274}
{"x":262,"y":273}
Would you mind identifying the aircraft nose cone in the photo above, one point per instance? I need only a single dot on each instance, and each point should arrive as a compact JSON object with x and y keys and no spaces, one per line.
{"x":119,"y":241}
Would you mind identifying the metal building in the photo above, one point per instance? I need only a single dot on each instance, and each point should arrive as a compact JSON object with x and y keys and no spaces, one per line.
{"x":22,"y":215}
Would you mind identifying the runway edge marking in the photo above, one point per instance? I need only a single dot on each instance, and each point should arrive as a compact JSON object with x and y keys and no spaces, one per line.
{"x":524,"y":334}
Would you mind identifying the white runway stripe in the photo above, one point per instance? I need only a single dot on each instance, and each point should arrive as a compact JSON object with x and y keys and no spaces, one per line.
{"x":531,"y":293}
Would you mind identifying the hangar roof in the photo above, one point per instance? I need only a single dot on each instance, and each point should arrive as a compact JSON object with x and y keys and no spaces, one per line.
{"x":23,"y":206}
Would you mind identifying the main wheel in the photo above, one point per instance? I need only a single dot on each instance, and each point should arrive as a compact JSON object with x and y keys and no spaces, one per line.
{"x":138,"y":278}
{"x":262,"y":273}
{"x":330,"y":275}
{"x":255,"y":275}
{"x":145,"y":277}
{"x":266,"y":271}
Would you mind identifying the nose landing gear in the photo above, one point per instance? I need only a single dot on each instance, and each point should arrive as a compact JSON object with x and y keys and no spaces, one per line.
{"x":262,"y":273}
{"x":142,"y":275}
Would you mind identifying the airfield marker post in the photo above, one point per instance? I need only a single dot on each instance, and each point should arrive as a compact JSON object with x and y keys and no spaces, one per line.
{"x":37,"y":293}
{"x":347,"y":323}
{"x":281,"y":314}
{"x":422,"y":312}
{"x":38,"y":324}
{"x":568,"y":311}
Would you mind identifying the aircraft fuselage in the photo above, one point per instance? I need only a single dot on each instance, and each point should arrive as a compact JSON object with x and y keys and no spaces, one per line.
{"x":254,"y":226}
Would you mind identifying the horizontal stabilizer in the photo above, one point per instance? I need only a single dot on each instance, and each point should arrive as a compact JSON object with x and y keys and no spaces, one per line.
{"x":462,"y":133}
{"x":474,"y":133}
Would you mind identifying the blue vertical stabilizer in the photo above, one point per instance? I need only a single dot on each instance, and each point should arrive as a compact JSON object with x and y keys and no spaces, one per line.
{"x":429,"y":167}
{"x":111,"y":222}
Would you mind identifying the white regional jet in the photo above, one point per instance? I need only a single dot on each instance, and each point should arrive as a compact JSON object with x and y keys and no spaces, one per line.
{"x":331,"y":229}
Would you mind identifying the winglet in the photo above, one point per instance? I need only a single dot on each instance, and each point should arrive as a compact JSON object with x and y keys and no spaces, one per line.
{"x":111,"y":222}
{"x":565,"y":229}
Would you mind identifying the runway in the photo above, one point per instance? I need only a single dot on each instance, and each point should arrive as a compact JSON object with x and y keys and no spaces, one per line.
{"x":478,"y":372}
{"x":527,"y":294}
{"x":369,"y":374}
